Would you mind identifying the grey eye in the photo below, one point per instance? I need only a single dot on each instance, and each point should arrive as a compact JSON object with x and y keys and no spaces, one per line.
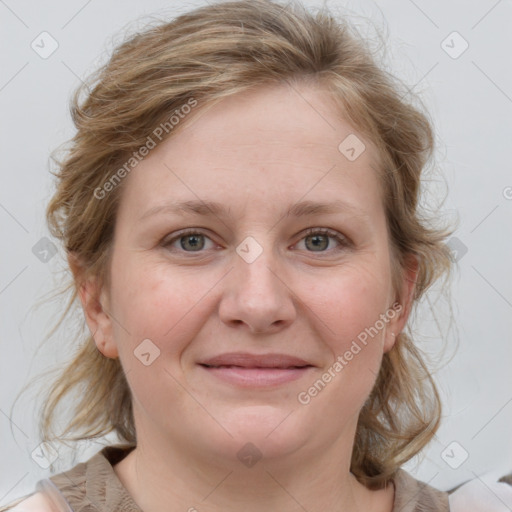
{"x":193,"y":242}
{"x":317,"y":242}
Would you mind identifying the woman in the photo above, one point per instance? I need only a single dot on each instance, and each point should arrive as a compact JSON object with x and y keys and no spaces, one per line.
{"x":239,"y":210}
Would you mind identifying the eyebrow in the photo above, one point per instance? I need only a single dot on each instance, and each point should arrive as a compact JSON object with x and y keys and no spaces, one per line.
{"x":205,"y":208}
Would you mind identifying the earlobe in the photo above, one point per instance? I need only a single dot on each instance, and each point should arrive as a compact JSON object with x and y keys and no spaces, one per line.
{"x":94,"y":304}
{"x":403,"y":304}
{"x":98,"y":319}
{"x":389,"y":341}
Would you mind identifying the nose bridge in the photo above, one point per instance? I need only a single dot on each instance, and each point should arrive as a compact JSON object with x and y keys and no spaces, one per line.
{"x":255,"y":266}
{"x":256,"y":294}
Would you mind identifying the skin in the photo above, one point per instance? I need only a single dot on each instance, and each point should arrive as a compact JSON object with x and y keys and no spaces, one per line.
{"x":258,"y":153}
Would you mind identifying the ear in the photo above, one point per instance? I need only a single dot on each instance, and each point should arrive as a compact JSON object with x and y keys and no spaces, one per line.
{"x":403,"y":302}
{"x":94,"y":300}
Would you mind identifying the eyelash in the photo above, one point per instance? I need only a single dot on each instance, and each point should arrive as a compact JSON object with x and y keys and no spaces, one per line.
{"x":342,"y":240}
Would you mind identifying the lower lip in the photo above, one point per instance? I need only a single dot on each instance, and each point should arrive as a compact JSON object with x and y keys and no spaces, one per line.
{"x":257,"y":377}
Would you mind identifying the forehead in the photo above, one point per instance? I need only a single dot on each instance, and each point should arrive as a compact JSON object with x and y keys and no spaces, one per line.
{"x":267,"y":145}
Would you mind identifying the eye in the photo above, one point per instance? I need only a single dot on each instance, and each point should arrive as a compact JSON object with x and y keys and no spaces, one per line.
{"x":188,"y":241}
{"x":319,"y":240}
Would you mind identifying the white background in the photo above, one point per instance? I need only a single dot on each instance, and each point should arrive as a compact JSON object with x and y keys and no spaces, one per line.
{"x":470,"y":102}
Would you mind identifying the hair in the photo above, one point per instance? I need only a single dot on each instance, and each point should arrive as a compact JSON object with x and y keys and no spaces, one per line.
{"x":206,"y":55}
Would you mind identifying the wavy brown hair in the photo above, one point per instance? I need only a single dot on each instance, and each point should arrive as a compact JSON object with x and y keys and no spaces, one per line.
{"x":209,"y":54}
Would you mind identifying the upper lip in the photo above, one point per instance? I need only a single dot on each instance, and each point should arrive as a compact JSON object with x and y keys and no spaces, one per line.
{"x":246,"y":360}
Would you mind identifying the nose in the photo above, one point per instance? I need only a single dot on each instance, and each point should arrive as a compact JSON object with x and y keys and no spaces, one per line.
{"x":256,"y":296}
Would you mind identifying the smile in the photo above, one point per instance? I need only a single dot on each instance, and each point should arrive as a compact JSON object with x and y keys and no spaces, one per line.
{"x":256,"y":377}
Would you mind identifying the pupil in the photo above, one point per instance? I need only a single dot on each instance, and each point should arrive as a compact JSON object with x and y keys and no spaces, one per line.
{"x":193,"y":242}
{"x":317,"y":241}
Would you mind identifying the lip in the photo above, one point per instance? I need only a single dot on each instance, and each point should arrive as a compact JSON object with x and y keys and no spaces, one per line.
{"x":246,"y":360}
{"x":256,"y":370}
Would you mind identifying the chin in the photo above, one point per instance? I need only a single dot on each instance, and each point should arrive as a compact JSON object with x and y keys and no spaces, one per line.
{"x":268,"y":431}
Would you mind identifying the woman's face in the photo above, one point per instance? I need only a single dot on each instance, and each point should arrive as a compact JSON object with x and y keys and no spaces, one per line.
{"x":253,"y":242}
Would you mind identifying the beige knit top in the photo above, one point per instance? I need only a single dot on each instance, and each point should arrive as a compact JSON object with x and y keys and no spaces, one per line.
{"x":93,"y":486}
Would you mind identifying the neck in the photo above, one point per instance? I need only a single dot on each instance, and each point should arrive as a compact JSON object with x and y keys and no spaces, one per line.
{"x":161,"y":476}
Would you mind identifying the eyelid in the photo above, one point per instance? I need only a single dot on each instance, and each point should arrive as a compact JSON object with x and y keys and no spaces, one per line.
{"x":324,"y":231}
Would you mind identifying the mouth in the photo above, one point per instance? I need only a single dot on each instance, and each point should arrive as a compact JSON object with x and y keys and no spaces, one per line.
{"x":252,"y":367}
{"x":256,"y":371}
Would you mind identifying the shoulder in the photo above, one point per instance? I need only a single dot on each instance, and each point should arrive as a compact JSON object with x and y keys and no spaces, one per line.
{"x":413,"y":495}
{"x":65,"y":492}
{"x":490,"y":492}
{"x":34,"y":503}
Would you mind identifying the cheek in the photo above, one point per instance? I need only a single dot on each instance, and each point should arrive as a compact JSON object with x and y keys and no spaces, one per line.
{"x":350,"y":303}
{"x":149,"y":301}
{"x":350,"y":309}
{"x":168,"y":309}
